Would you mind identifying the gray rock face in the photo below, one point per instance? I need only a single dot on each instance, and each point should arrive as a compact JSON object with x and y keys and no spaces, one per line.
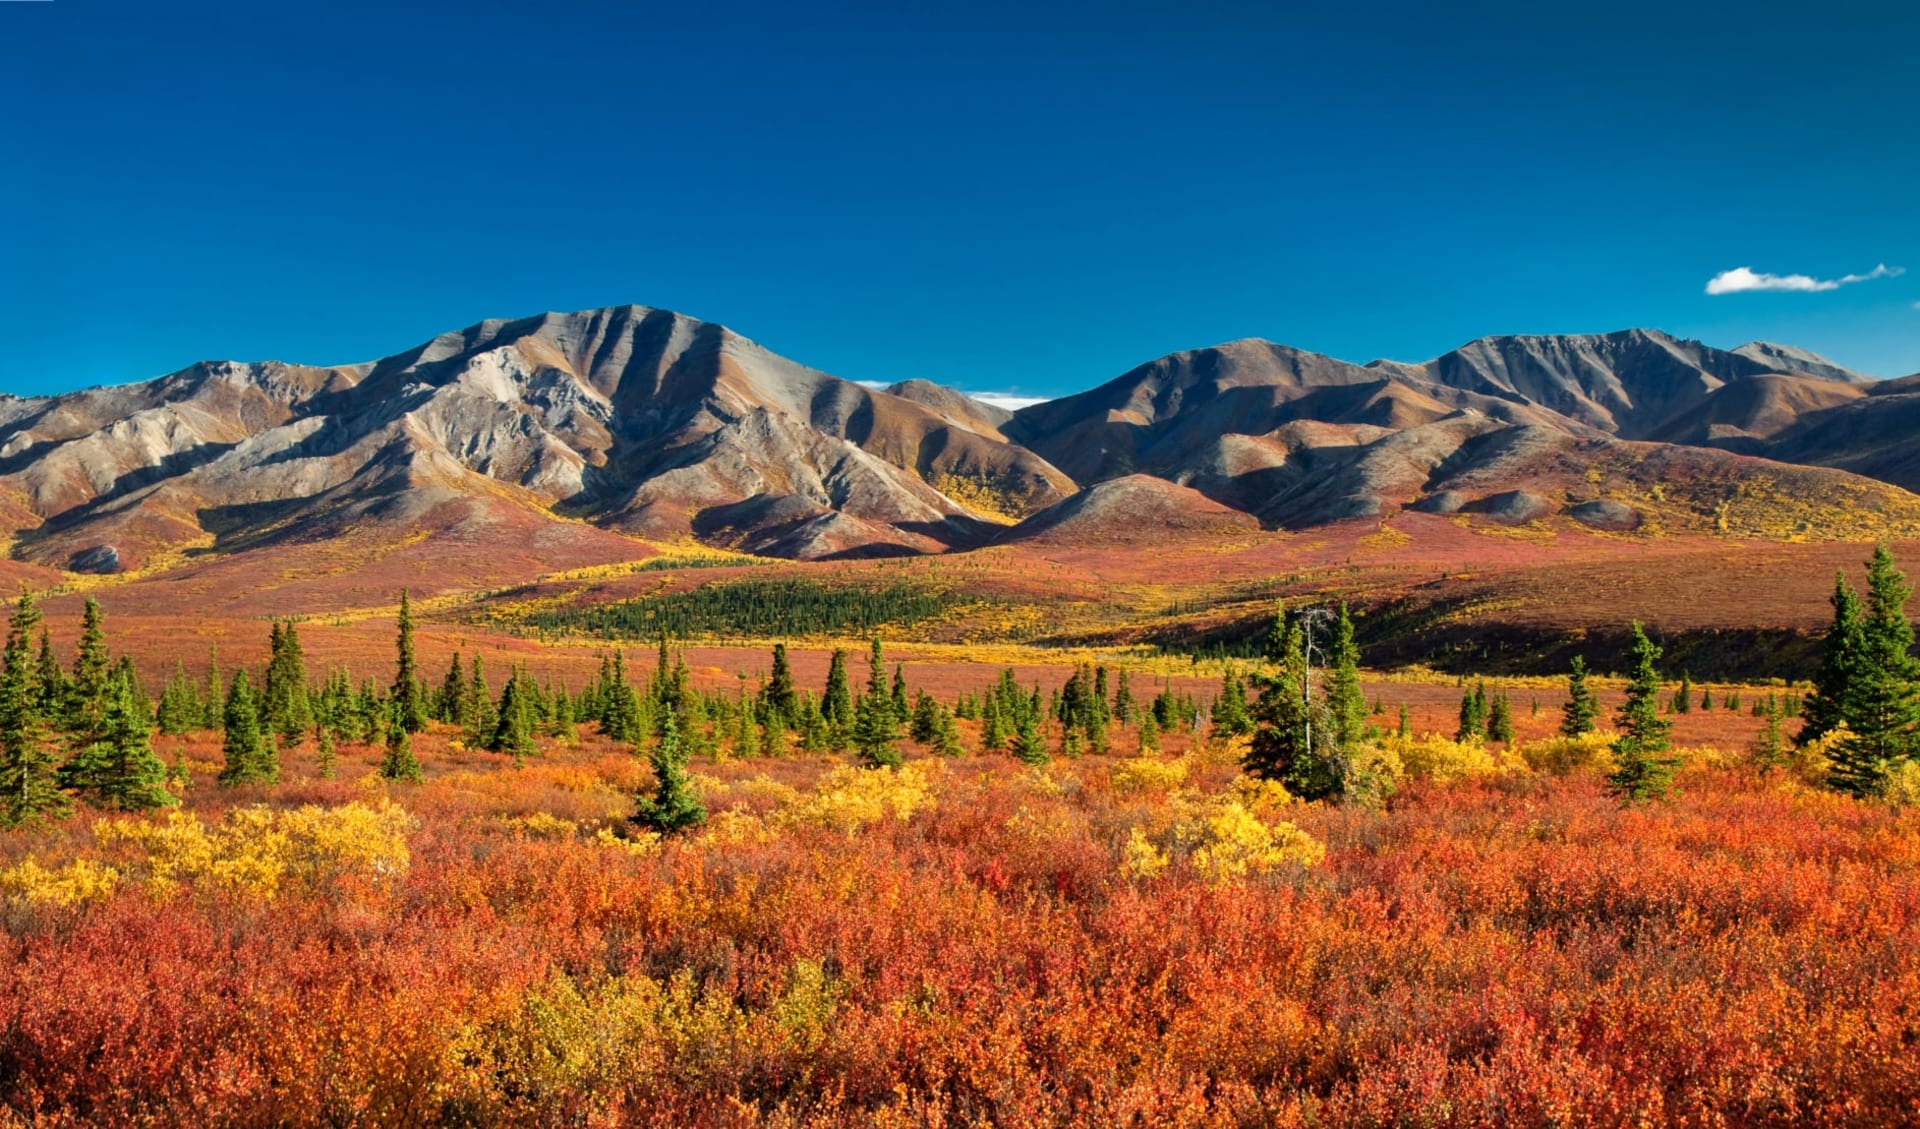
{"x":101,"y":559}
{"x":1443,"y":502}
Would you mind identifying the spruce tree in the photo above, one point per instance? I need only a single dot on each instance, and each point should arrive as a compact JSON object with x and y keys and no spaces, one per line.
{"x":1770,"y":748}
{"x":412,"y":712}
{"x":1149,"y":733}
{"x":1346,"y":705}
{"x":87,"y":692}
{"x":1405,"y":729}
{"x":993,"y":726}
{"x":28,"y":790}
{"x":1578,"y":716}
{"x":1683,"y":697}
{"x":1291,"y":739}
{"x":53,"y":680}
{"x":325,"y":759}
{"x":450,"y":705}
{"x":898,"y":693}
{"x":1500,"y":719}
{"x":250,"y":758}
{"x":1231,"y":715}
{"x":1123,"y":698}
{"x":124,"y":772}
{"x":875,"y":726}
{"x":400,"y":764}
{"x":1027,"y":746}
{"x":1643,"y":767}
{"x":836,"y":703}
{"x":513,"y":729}
{"x":1883,"y":701}
{"x":287,"y":711}
{"x":781,"y":696}
{"x":674,"y":805}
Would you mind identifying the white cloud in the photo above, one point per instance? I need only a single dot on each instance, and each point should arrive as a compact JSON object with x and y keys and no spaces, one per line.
{"x":1012,"y":401}
{"x":1008,"y":400}
{"x":1739,"y":280}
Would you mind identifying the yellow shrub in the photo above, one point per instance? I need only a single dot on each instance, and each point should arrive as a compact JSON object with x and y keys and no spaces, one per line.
{"x":1261,"y":797}
{"x":1903,"y":785}
{"x":263,"y":851}
{"x":1813,"y":761}
{"x":78,"y":882}
{"x":849,"y":798}
{"x":543,"y":825}
{"x":1140,"y":858}
{"x":1561,"y":755}
{"x":735,"y":826}
{"x":1234,"y":843}
{"x":634,"y":842}
{"x":1135,"y":775}
{"x":1444,"y":759}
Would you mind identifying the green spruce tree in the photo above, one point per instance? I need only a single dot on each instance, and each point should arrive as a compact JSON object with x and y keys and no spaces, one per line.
{"x":1578,"y":715}
{"x":674,"y":805}
{"x":1643,"y":765}
{"x":29,"y":792}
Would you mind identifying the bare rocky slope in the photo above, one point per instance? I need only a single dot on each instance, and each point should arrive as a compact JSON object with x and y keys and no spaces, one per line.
{"x":580,"y":431}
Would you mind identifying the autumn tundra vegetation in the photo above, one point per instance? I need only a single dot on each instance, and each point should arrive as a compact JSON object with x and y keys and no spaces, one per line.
{"x":286,"y":897}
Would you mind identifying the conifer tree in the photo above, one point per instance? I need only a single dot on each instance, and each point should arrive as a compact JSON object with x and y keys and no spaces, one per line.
{"x":325,"y":759}
{"x":836,"y":703}
{"x":1026,"y":746}
{"x":1500,"y":719}
{"x":400,"y":764}
{"x":875,"y":727}
{"x":1643,"y":766}
{"x":1770,"y":747}
{"x":1346,"y":705}
{"x":28,"y":790}
{"x":87,"y":692}
{"x":1291,"y":738}
{"x":1149,"y":733}
{"x":480,"y":717}
{"x":993,"y":726}
{"x":898,"y":693}
{"x":926,"y":712}
{"x":513,"y":727}
{"x":1883,"y":714}
{"x":1583,"y":707}
{"x":53,"y":680}
{"x":287,"y":710}
{"x":1405,"y":730}
{"x":780,"y":694}
{"x":1683,"y":697}
{"x":1473,"y":719}
{"x":1231,"y":714}
{"x":250,"y":759}
{"x":450,"y":705}
{"x":1123,"y":698}
{"x":674,"y":805}
{"x":1826,"y":708}
{"x":412,"y":712}
{"x":120,"y":769}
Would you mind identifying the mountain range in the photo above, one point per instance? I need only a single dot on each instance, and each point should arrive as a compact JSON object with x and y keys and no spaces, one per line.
{"x":591,"y":428}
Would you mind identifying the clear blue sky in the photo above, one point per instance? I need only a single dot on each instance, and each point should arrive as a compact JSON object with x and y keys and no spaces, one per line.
{"x":1002,"y":196}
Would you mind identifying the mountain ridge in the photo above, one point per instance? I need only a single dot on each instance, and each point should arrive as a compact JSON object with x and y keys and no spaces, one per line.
{"x":598,"y":426}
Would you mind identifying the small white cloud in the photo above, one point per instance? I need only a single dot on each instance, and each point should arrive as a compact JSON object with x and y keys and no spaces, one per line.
{"x":1740,"y":280}
{"x":1008,"y":400}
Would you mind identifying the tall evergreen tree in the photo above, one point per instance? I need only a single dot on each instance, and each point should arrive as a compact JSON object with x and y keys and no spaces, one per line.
{"x":412,"y":712}
{"x":780,"y":694}
{"x":898,"y":694}
{"x":1123,"y":698}
{"x":87,"y":692}
{"x":28,"y":789}
{"x":1583,"y":707}
{"x":1643,"y":766}
{"x":513,"y":731}
{"x":1231,"y":715}
{"x":1827,"y":706}
{"x":286,"y":710}
{"x":1346,"y":705}
{"x":450,"y":704}
{"x":1500,"y":719}
{"x":53,"y":680}
{"x":120,"y":769}
{"x":1026,"y":745}
{"x":1291,"y":744}
{"x":399,"y":764}
{"x":674,"y":804}
{"x":836,"y":703}
{"x":251,"y":758}
{"x":1883,"y":702}
{"x":875,"y":725}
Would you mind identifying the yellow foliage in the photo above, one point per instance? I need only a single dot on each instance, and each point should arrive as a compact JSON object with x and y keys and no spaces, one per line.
{"x":1263,"y":798}
{"x":1903,"y":785}
{"x":1140,"y":858}
{"x":1813,"y":762}
{"x":1135,"y":775}
{"x":1559,"y":756}
{"x":263,"y":851}
{"x":849,"y":798}
{"x":634,"y":843}
{"x":734,"y":826}
{"x":1441,"y":758}
{"x":1233,"y":843}
{"x":543,"y":825}
{"x":78,"y":882}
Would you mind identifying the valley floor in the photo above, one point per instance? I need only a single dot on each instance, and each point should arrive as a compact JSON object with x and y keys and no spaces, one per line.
{"x":1110,"y":940}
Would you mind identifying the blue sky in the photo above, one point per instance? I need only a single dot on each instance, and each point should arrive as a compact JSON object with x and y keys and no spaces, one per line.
{"x":1017,"y":197}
